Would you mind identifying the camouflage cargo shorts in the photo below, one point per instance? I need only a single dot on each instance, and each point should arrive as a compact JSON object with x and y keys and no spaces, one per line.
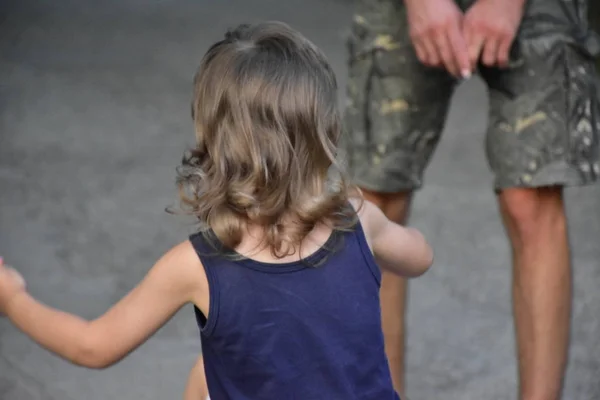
{"x":544,"y":122}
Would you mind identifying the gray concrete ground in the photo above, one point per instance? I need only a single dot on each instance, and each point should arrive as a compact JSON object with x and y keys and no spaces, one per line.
{"x":94,"y":117}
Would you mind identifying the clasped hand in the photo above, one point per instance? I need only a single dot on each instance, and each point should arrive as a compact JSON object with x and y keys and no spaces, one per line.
{"x":444,"y":36}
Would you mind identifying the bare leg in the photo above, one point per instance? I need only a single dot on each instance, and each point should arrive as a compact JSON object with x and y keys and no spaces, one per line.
{"x":393,"y":290}
{"x":536,"y":225}
{"x":196,"y":388}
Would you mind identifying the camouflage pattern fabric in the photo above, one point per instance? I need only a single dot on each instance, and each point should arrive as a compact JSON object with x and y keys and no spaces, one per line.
{"x":544,"y":123}
{"x":594,"y":19}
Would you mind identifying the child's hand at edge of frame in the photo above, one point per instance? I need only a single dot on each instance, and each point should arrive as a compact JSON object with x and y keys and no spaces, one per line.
{"x":11,"y":284}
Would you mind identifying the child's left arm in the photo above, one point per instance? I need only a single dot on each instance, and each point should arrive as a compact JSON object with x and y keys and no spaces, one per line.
{"x":175,"y":280}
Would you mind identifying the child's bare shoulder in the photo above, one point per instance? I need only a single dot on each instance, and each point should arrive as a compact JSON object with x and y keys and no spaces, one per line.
{"x":183,"y":255}
{"x":185,"y":267}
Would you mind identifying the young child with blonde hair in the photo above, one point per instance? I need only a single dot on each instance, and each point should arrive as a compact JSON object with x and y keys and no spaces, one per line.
{"x":282,"y":271}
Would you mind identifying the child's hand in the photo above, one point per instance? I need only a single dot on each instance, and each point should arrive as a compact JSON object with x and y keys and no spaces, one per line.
{"x":11,"y":284}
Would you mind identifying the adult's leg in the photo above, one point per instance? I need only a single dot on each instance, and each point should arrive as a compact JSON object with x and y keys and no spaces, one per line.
{"x":536,"y":225}
{"x":395,"y":112}
{"x":543,"y":135}
{"x":393,"y":292}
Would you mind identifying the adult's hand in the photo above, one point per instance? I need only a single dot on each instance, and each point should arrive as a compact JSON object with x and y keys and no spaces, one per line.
{"x":436,"y":33}
{"x":489,"y":27}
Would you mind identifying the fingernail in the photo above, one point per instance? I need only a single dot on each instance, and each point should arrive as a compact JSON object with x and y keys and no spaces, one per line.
{"x":466,"y":74}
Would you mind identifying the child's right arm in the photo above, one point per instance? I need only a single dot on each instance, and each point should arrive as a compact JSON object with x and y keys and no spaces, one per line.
{"x":401,"y":250}
{"x":176,"y":279}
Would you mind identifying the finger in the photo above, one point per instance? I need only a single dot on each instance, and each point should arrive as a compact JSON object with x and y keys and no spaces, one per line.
{"x":433,"y":58}
{"x":475,"y":42}
{"x":459,"y":52}
{"x":443,"y":47}
{"x":503,"y":56}
{"x":490,"y":51}
{"x":421,"y":52}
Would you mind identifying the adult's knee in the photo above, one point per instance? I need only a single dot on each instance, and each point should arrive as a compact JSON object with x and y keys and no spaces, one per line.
{"x":529,"y":213}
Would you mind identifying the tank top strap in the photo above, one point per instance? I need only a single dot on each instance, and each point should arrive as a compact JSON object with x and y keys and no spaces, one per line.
{"x":366,"y":252}
{"x":207,"y":254}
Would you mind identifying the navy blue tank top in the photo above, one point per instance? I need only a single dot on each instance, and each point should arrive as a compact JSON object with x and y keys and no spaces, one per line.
{"x":295,"y":330}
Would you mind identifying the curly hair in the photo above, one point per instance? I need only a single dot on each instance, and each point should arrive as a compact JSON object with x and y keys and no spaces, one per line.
{"x":267,"y":127}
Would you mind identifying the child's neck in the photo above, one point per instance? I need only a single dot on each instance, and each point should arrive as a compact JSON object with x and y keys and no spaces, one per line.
{"x":252,"y":245}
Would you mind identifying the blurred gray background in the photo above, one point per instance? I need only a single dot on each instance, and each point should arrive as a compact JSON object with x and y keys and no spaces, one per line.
{"x":94,"y":117}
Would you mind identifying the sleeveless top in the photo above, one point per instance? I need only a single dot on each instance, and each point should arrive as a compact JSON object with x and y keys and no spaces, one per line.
{"x":309,"y":329}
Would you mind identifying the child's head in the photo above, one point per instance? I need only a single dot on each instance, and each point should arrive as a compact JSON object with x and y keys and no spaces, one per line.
{"x":267,"y":127}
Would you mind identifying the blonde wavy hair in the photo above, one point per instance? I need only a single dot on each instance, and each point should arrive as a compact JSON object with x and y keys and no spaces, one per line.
{"x":267,"y":127}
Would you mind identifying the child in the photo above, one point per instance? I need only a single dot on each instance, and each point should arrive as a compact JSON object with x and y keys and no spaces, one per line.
{"x":281,"y":273}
